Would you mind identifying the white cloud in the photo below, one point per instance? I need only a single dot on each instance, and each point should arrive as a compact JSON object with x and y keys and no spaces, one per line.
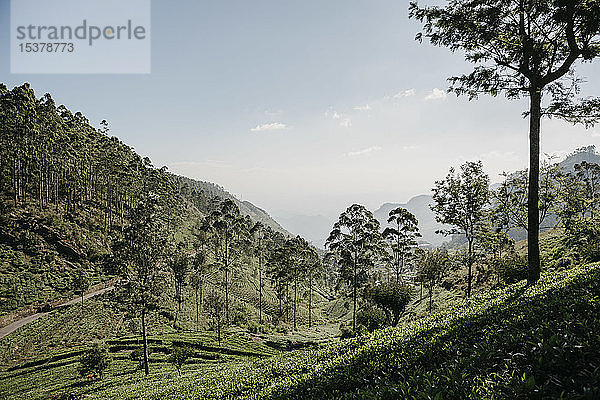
{"x":436,"y":94}
{"x":405,"y":93}
{"x":363,"y":108}
{"x":363,"y":152}
{"x":346,"y":123}
{"x":595,"y":133}
{"x":331,"y":113}
{"x":276,"y":126}
{"x":334,"y":115}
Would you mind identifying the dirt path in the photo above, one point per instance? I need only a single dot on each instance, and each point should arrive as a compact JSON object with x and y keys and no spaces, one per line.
{"x":7,"y":330}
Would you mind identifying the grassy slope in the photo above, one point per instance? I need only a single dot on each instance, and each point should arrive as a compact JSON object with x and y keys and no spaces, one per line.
{"x":517,"y":342}
{"x":40,"y":251}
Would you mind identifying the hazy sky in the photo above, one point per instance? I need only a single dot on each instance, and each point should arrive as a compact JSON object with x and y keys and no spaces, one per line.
{"x":302,"y":107}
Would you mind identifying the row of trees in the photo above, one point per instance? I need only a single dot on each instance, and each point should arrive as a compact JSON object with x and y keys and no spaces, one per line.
{"x":57,"y":159}
{"x":476,"y":216}
{"x":224,"y":243}
{"x":484,"y":217}
{"x":357,"y":247}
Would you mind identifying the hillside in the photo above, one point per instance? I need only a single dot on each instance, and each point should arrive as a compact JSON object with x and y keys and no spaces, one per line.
{"x":202,"y":194}
{"x":518,"y":342}
{"x":66,"y":199}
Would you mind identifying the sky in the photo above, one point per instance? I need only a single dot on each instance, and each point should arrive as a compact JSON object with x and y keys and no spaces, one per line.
{"x":302,"y":107}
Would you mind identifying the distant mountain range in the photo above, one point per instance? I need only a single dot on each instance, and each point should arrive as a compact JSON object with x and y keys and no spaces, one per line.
{"x":419,"y":206}
{"x":316,"y":228}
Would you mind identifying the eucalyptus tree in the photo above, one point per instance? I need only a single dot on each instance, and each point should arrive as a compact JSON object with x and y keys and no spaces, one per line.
{"x":258,"y":233}
{"x":358,"y":246}
{"x":200,"y":268}
{"x":197,"y":276}
{"x":179,"y":263}
{"x":228,"y":234}
{"x":313,"y":269}
{"x":142,"y":253}
{"x":279,"y":272}
{"x":401,"y":237}
{"x":287,"y":268}
{"x":522,"y":48}
{"x":461,"y":201}
{"x":215,"y":308}
{"x":432,"y":266}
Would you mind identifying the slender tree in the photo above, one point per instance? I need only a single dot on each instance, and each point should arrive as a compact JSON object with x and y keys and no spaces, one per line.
{"x":433,"y":264}
{"x":179,"y":262}
{"x":401,"y":237}
{"x":461,"y":200}
{"x":522,"y":48}
{"x":228,"y":232}
{"x":358,"y":245}
{"x":313,"y":269}
{"x":142,"y":254}
{"x":81,"y":282}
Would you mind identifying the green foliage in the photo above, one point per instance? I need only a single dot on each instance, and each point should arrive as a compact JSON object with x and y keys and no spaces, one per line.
{"x":401,"y":238}
{"x":95,"y":361}
{"x":392,"y":298}
{"x":179,"y":356}
{"x":240,"y":315}
{"x":461,"y":201}
{"x":372,"y":318}
{"x":355,"y":244}
{"x":511,"y":268}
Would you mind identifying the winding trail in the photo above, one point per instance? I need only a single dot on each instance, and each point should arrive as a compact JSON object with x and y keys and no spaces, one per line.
{"x":7,"y":330}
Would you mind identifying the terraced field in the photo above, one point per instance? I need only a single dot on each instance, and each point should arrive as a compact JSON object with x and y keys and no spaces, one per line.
{"x":518,"y":342}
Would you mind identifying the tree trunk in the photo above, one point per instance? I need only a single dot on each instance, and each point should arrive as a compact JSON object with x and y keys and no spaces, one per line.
{"x":354,"y":298}
{"x":260,"y":295}
{"x":145,"y":338}
{"x":295,"y":300}
{"x":430,"y":296}
{"x":226,"y":297}
{"x":197,"y":310}
{"x":533,"y":212}
{"x":470,"y":263}
{"x":310,"y":301}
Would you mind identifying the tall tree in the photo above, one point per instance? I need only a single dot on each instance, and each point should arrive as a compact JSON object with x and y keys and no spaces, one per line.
{"x":179,"y":262}
{"x":313,"y":269}
{"x":401,"y":237}
{"x":228,"y":232}
{"x":142,"y":253}
{"x":258,"y":233}
{"x":522,"y":48}
{"x":358,"y":245}
{"x":460,"y":200}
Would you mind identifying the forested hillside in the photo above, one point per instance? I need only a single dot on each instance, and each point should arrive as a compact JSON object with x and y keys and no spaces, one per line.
{"x":66,"y":195}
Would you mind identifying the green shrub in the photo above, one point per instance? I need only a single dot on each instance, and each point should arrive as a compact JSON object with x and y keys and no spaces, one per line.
{"x":179,"y":356}
{"x":371,"y":318}
{"x":239,"y":315}
{"x":512,"y":268}
{"x":94,"y":361}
